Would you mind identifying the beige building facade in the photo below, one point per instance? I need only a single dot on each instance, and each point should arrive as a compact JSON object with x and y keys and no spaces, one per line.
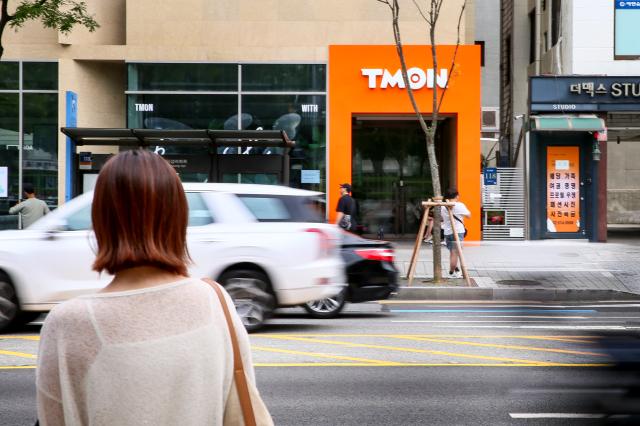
{"x":97,"y":66}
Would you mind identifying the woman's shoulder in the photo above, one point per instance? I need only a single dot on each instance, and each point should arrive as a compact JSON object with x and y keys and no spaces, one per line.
{"x":72,"y":309}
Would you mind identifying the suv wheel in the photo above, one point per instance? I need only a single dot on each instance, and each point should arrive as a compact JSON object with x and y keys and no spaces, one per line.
{"x":326,"y":308}
{"x":251,"y":297}
{"x":9,"y":309}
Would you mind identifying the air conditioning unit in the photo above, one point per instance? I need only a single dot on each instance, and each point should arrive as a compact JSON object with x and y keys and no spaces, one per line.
{"x":490,"y":119}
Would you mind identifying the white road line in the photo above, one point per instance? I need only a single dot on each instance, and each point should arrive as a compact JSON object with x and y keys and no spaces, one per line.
{"x":593,"y":322}
{"x":574,"y":391}
{"x":556,"y":416}
{"x":539,"y":269}
{"x":538,"y":327}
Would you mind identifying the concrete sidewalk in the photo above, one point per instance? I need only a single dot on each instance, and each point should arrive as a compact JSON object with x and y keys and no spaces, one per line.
{"x":556,"y":269}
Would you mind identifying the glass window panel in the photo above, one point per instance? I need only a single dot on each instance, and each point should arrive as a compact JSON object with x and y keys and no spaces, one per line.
{"x":199,"y":213}
{"x":284,"y":77}
{"x":190,"y":77}
{"x":9,"y":139}
{"x":266,"y":208}
{"x":184,"y":112}
{"x":303,"y":117}
{"x":79,"y":220}
{"x":627,"y":31}
{"x":40,"y":145}
{"x":40,"y":75}
{"x":9,"y":76}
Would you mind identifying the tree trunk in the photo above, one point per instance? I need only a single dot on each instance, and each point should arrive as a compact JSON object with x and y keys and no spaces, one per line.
{"x":435,"y":181}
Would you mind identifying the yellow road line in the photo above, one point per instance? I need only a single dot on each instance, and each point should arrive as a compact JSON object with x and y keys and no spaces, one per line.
{"x":490,"y":345}
{"x":16,"y":367}
{"x":20,"y":354}
{"x":417,"y":335}
{"x":20,"y":337}
{"x":319,"y":355}
{"x":353,"y":364}
{"x":413,"y":350}
{"x":347,"y":364}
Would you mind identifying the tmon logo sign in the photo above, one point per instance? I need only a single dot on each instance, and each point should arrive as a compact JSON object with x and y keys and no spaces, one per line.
{"x":418,"y":78}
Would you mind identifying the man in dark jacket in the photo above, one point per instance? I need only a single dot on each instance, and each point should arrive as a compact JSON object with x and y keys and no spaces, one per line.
{"x":346,"y":217}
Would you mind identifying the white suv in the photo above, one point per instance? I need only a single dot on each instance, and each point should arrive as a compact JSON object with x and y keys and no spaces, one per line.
{"x":262,"y":263}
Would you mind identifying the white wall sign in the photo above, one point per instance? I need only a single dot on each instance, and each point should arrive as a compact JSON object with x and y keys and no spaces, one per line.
{"x":4,"y":181}
{"x":418,"y":78}
{"x":309,"y":176}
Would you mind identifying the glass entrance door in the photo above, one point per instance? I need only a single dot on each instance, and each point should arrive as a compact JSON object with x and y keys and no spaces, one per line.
{"x":391,"y":176}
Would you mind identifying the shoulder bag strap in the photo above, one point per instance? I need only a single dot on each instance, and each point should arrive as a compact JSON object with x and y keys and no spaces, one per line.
{"x":457,"y":218}
{"x":238,"y":369}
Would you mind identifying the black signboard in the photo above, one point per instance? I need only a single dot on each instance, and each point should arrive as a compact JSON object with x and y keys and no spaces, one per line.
{"x":584,"y":93}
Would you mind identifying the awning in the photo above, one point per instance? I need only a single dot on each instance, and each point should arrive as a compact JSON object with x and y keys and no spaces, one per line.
{"x":566,"y":123}
{"x":146,"y":137}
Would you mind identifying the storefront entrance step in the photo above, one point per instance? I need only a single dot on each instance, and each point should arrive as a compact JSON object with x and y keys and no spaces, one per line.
{"x":445,"y":292}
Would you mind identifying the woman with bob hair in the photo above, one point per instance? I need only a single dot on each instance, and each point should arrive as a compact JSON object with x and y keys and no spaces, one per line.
{"x":152,"y":347}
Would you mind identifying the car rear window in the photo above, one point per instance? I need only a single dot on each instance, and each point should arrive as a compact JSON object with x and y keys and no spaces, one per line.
{"x":282,"y":208}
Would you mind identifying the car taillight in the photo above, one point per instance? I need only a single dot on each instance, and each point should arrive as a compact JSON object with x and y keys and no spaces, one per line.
{"x":384,"y":255}
{"x":325,"y":246}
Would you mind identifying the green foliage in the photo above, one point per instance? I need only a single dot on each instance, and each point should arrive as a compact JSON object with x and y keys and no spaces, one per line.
{"x":61,"y":15}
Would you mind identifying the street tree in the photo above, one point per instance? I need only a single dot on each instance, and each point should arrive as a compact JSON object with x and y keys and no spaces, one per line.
{"x":430,"y":13}
{"x":61,"y":15}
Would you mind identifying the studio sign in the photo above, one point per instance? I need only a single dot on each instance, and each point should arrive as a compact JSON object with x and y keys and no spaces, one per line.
{"x":418,"y":78}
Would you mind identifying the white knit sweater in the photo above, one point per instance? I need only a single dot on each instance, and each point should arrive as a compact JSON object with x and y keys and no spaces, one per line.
{"x":155,"y":356}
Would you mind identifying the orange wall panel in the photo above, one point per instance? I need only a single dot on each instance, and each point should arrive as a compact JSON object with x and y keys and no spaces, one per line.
{"x":349,"y":94}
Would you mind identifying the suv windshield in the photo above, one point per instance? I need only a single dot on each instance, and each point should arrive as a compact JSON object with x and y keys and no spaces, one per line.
{"x":284,"y":208}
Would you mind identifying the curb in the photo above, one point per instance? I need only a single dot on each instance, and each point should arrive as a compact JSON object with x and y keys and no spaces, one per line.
{"x":505,"y":294}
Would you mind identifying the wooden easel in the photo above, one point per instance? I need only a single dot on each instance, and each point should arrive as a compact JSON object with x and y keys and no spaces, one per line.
{"x":427,"y":205}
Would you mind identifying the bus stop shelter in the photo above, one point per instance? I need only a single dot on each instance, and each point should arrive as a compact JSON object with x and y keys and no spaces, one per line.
{"x":198,"y":155}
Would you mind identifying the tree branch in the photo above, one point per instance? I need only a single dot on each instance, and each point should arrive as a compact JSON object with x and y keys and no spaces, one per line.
{"x":420,"y":11}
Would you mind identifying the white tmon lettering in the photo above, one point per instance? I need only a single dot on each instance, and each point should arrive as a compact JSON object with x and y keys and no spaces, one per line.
{"x":418,"y":78}
{"x":372,"y":73}
{"x":144,"y":107}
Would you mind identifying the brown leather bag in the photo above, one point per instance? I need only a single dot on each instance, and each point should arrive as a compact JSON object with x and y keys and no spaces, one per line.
{"x":254,"y":412}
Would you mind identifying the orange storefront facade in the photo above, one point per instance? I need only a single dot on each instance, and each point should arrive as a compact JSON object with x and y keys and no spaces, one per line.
{"x":363,"y":81}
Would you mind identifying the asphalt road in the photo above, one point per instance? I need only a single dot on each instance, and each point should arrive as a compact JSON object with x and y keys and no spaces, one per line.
{"x":423,"y":363}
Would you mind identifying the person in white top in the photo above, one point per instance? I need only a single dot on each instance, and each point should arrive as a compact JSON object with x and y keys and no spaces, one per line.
{"x":152,"y":347}
{"x":460,"y":211}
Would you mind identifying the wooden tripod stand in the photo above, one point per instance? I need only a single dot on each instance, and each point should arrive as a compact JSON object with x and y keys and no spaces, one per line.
{"x":423,"y":225}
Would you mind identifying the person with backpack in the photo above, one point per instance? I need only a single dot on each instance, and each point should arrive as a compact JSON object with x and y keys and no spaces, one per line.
{"x":346,"y":217}
{"x":460,"y":211}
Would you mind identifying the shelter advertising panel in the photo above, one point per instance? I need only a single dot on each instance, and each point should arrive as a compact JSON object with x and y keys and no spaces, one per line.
{"x":563,"y":189}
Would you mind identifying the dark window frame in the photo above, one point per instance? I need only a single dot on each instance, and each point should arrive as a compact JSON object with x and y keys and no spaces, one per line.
{"x":481,"y":43}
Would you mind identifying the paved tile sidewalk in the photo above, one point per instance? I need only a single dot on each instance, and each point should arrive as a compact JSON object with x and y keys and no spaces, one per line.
{"x":550,"y":264}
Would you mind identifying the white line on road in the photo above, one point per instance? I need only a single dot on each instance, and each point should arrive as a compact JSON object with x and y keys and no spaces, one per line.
{"x":556,"y":416}
{"x":539,"y":327}
{"x":593,"y":321}
{"x":574,"y":391}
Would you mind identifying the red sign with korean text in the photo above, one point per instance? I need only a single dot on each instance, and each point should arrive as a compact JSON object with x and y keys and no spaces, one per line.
{"x":563,"y":189}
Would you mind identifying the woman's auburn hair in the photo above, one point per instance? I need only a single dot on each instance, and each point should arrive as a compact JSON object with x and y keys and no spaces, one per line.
{"x":140,"y":214}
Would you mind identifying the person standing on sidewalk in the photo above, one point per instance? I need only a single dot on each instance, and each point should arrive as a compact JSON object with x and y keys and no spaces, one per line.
{"x":460,"y":211}
{"x":31,"y":209}
{"x":346,"y":217}
{"x":153,"y":347}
